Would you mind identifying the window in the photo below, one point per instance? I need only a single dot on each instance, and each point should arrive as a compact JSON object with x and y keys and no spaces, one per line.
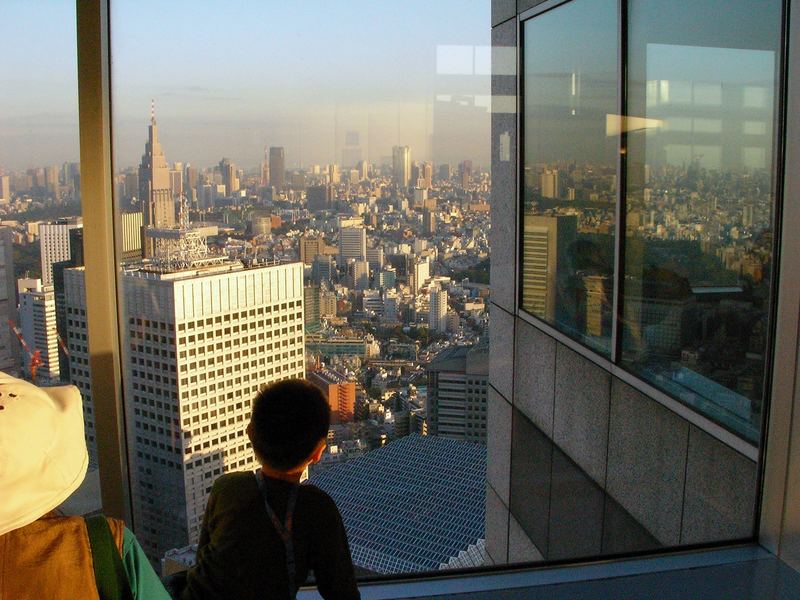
{"x":648,"y":218}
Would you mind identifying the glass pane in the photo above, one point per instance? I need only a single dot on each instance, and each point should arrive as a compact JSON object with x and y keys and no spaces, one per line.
{"x":43,"y":321}
{"x":700,"y":204}
{"x":308,"y":197}
{"x":570,"y":169}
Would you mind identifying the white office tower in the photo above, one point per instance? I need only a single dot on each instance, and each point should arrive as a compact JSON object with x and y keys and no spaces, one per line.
{"x":37,"y":320}
{"x":401,"y":165}
{"x":422,"y":272}
{"x":8,"y":303}
{"x":352,"y":243}
{"x":54,"y":244}
{"x":437,"y":315}
{"x":78,"y":346}
{"x":203,"y":337}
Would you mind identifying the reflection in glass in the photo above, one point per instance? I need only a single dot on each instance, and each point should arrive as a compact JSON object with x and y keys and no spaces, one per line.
{"x":698,"y":261}
{"x":570,"y":177}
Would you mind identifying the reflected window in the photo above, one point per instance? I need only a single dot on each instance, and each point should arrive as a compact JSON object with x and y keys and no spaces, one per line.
{"x":570,"y":171}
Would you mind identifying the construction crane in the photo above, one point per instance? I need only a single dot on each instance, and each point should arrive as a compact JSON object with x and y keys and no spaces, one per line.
{"x":35,"y":356}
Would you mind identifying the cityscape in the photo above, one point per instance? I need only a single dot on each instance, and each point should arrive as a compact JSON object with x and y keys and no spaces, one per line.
{"x":371,"y":280}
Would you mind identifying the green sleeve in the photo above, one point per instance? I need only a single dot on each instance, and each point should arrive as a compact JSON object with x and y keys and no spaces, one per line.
{"x":145,"y":584}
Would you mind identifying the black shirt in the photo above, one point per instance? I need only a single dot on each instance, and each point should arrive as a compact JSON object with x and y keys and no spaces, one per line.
{"x":240,"y":555}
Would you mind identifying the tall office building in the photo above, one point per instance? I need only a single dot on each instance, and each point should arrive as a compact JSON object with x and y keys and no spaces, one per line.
{"x":37,"y":320}
{"x":230,"y":177}
{"x":437,"y":314}
{"x":359,"y":274}
{"x":310,"y":248}
{"x":5,"y":189}
{"x":421,"y":273}
{"x":375,"y":258}
{"x":155,"y":191}
{"x":54,"y":243}
{"x":352,"y":243}
{"x":549,"y":185}
{"x":544,"y":248}
{"x":322,"y":268}
{"x":458,"y":383}
{"x":339,"y":391}
{"x":277,"y":168}
{"x":78,"y":345}
{"x":203,"y":342}
{"x":8,"y":302}
{"x":465,"y":173}
{"x":76,"y":259}
{"x":131,"y":236}
{"x":319,"y":197}
{"x":401,"y":165}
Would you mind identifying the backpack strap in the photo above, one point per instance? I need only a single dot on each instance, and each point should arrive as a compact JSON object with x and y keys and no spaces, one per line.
{"x":109,"y":573}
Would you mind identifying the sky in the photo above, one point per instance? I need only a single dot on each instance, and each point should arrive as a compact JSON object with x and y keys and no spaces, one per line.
{"x":230,"y":78}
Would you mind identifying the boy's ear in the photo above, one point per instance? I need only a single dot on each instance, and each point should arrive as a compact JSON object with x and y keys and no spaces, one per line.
{"x":316,"y":455}
{"x":250,"y":431}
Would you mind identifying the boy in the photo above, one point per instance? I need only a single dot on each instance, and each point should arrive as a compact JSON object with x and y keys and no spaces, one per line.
{"x":263,"y":532}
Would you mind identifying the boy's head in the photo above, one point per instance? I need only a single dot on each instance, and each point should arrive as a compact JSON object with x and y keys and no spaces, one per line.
{"x":289,"y":420}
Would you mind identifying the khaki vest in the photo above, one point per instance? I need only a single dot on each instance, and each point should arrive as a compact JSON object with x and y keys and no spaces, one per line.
{"x":50,"y":559}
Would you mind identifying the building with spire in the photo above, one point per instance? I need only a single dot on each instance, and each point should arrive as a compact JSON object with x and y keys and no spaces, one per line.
{"x":158,"y":206}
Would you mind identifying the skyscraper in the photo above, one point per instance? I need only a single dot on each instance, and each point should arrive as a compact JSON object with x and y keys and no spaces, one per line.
{"x":544,"y":249}
{"x":437,"y":314}
{"x":352,"y":244}
{"x":265,"y":168}
{"x":319,"y":197}
{"x":209,"y":359}
{"x":401,"y":165}
{"x":310,"y":248}
{"x":54,"y":243}
{"x":37,"y":319}
{"x":8,"y":302}
{"x":277,"y":168}
{"x":339,"y":391}
{"x":458,"y":383}
{"x":155,"y":192}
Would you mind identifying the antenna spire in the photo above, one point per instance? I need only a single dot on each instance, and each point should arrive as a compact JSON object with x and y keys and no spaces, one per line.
{"x":152,"y":111}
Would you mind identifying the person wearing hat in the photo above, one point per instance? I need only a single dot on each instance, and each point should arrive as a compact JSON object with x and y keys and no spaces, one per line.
{"x":43,"y":460}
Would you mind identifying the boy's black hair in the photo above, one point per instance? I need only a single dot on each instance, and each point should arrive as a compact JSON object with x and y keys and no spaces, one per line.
{"x":289,"y":419}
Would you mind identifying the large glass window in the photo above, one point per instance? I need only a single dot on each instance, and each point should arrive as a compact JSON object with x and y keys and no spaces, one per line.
{"x":700,"y":204}
{"x":570,"y":171}
{"x":303,"y":191}
{"x":693,"y":145}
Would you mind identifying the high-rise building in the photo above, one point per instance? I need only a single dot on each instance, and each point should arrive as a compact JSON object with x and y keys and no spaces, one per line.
{"x":5,"y":189}
{"x":465,"y":173}
{"x":277,"y":168}
{"x":319,"y":198}
{"x":375,"y":257}
{"x":155,"y":190}
{"x":311,"y":315}
{"x":54,"y":243}
{"x":76,"y":259}
{"x":437,"y":314}
{"x":78,"y":345}
{"x":444,"y":172}
{"x":37,"y":320}
{"x":544,"y":248}
{"x":193,"y":369}
{"x":352,"y":243}
{"x":131,"y":236}
{"x":322,"y":268}
{"x":458,"y":383}
{"x":310,"y":248}
{"x":549,"y":184}
{"x":428,"y":222}
{"x":339,"y":391}
{"x":8,"y":303}
{"x":265,"y":168}
{"x":401,"y":165}
{"x":359,"y":274}
{"x":421,"y":273}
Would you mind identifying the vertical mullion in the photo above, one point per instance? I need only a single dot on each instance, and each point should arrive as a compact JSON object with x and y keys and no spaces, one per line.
{"x":619,"y":237}
{"x":94,"y":100}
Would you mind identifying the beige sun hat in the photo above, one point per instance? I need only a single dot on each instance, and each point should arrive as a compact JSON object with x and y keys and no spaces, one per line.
{"x":43,"y":457}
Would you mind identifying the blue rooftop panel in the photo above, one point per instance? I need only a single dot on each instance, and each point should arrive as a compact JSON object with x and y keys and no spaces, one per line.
{"x":411,"y":505}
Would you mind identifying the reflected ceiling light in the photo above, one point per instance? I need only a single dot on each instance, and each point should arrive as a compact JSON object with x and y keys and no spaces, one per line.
{"x":617,"y":124}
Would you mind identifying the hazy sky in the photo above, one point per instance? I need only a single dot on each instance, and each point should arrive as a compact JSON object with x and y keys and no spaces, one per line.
{"x":229,"y":78}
